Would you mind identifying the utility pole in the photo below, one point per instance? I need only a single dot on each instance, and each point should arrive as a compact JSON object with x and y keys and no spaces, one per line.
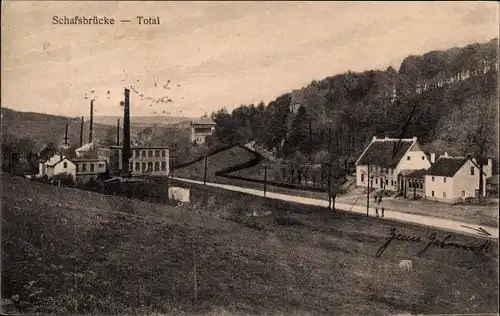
{"x":329,"y":164}
{"x":329,"y":185}
{"x":265,"y":180}
{"x":172,"y":159}
{"x":205,"y":175}
{"x":368,"y":194}
{"x":81,"y":133}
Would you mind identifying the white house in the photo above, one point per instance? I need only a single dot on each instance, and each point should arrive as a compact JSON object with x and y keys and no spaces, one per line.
{"x":389,"y":160}
{"x":201,"y":129}
{"x":55,"y":165}
{"x":451,"y":179}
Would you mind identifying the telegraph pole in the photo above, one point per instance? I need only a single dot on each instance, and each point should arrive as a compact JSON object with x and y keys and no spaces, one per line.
{"x":368,"y":194}
{"x":265,"y":179}
{"x":205,"y":175}
{"x":329,"y":165}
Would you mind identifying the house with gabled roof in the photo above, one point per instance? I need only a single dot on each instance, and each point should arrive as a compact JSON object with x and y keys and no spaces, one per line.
{"x":387,"y":161}
{"x":452,"y":179}
{"x":200,"y":129}
{"x":57,"y":164}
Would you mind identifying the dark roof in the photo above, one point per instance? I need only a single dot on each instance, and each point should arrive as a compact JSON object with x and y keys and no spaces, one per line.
{"x":417,"y":174}
{"x":446,"y":166}
{"x":386,"y":153}
{"x":203,"y":121}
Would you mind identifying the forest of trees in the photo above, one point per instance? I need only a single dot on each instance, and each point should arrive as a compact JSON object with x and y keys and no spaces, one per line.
{"x":348,"y":109}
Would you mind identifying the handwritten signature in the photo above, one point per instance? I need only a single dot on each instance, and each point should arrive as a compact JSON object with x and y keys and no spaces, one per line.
{"x":433,"y":241}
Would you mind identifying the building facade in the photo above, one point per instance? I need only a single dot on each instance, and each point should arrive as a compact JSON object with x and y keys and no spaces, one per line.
{"x":56,"y":165}
{"x":389,"y":160}
{"x":144,"y":160}
{"x":452,"y":179}
{"x":201,"y":129}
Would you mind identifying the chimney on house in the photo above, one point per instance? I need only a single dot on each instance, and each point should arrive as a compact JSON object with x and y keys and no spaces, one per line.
{"x":126,"y":134}
{"x":433,"y":158}
{"x":445,"y":154}
{"x":91,"y":119}
{"x":118,"y":133}
{"x":81,"y":133}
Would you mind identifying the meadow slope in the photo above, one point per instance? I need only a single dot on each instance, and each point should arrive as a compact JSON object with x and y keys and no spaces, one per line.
{"x":95,"y":254}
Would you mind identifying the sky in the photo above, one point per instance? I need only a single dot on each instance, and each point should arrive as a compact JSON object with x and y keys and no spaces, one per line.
{"x":215,"y":54}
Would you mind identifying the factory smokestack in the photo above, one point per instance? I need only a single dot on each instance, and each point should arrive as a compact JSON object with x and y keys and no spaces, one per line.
{"x":118,"y":133}
{"x":126,"y":134}
{"x":91,"y":119}
{"x":81,"y":133}
{"x":66,"y":137}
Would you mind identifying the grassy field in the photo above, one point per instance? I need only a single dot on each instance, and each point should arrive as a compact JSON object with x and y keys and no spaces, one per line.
{"x":68,"y":251}
{"x":225,"y":159}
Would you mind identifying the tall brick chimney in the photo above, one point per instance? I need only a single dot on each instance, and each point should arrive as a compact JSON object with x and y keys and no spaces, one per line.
{"x":118,"y":133}
{"x":81,"y":133}
{"x":91,"y":119}
{"x":126,"y":134}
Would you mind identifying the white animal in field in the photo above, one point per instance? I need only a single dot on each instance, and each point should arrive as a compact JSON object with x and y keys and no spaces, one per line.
{"x":406,"y":265}
{"x":178,"y":194}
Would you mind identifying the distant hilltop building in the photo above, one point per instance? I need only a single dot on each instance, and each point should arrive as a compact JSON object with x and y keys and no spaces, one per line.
{"x":200,"y":129}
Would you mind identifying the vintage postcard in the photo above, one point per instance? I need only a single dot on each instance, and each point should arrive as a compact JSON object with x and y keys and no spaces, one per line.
{"x":249,"y":158}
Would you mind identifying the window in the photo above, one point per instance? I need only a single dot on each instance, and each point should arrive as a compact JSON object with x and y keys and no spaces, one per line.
{"x":386,"y":182}
{"x":432,"y":179}
{"x":143,"y":153}
{"x":143,"y":166}
{"x":131,"y":166}
{"x":91,"y":167}
{"x":410,"y":184}
{"x":163,"y":166}
{"x":163,"y":153}
{"x":392,"y":182}
{"x":362,"y":178}
{"x":444,"y":195}
{"x":432,"y":193}
{"x":157,"y":153}
{"x":65,"y":165}
{"x":471,"y":171}
{"x":101,"y":165}
{"x":157,"y":166}
{"x":408,"y":158}
{"x":137,"y":153}
{"x":77,"y":167}
{"x":444,"y":179}
{"x":463,"y":194}
{"x":150,"y":154}
{"x":137,"y":166}
{"x":421,"y":185}
{"x":84,"y":167}
{"x":150,"y":166}
{"x":376,"y":180}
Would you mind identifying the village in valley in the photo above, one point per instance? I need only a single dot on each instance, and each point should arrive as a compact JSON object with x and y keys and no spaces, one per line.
{"x":363,"y":192}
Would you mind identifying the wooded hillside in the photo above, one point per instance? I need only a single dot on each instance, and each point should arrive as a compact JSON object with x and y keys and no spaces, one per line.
{"x":448,"y":99}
